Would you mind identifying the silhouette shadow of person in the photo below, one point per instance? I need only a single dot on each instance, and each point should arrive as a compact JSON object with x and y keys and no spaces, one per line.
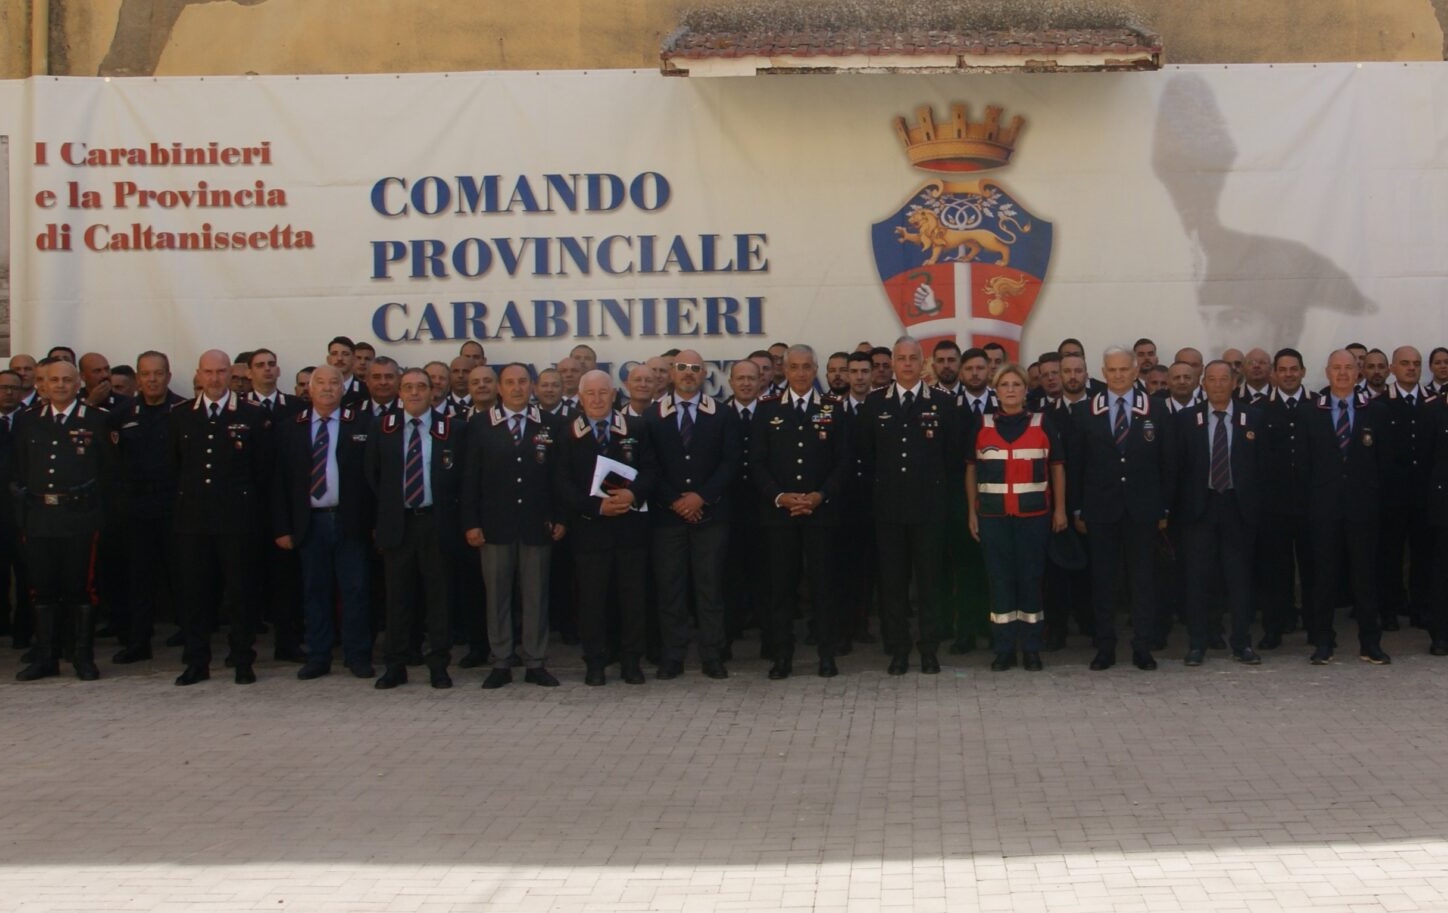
{"x":1252,"y":290}
{"x":143,"y":29}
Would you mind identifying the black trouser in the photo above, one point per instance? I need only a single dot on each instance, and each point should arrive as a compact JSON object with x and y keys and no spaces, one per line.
{"x":1435,"y":608}
{"x":112,"y":577}
{"x":746,"y":590}
{"x":1404,"y":530}
{"x":1127,"y":545}
{"x":417,"y":566}
{"x":909,"y":552}
{"x":466,"y":615}
{"x":624,"y":567}
{"x":20,"y":618}
{"x":1218,"y":546}
{"x":1338,"y":542}
{"x":1287,"y":546}
{"x":62,"y":580}
{"x":282,"y":586}
{"x":150,"y":563}
{"x":562,"y":591}
{"x":1068,"y":598}
{"x":856,"y":560}
{"x":684,"y":554}
{"x":202,"y":558}
{"x":1170,"y":565}
{"x":796,"y":549}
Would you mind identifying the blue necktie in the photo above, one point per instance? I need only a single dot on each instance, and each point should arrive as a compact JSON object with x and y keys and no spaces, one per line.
{"x":686,"y":424}
{"x":319,"y":459}
{"x":412,"y":488}
{"x":1122,"y":426}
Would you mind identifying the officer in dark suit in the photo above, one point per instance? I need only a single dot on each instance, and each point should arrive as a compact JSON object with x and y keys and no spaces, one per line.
{"x":1284,"y":539}
{"x":610,"y":534}
{"x":1218,"y":505}
{"x":17,"y":623}
{"x":746,"y":585}
{"x":1405,"y":531}
{"x":223,"y":452}
{"x":342,"y":355}
{"x":799,"y":457}
{"x":1119,"y":485}
{"x":910,"y":438}
{"x":696,"y":442}
{"x":383,"y":376}
{"x":63,"y":463}
{"x":963,"y":593}
{"x":856,"y":557}
{"x":323,"y":508}
{"x":414,"y":468}
{"x":1433,"y":455}
{"x":1349,"y":452}
{"x":111,"y":572}
{"x":510,"y":512}
{"x":145,"y":495}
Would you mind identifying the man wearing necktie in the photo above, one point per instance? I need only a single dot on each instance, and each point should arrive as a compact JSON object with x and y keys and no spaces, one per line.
{"x":746,"y":585}
{"x":964,"y":595}
{"x":1284,"y":536}
{"x":10,"y":552}
{"x":414,"y":469}
{"x":1434,"y":507}
{"x":63,"y":463}
{"x":1120,"y":475}
{"x":1349,"y":451}
{"x":323,"y":508}
{"x":223,"y":452}
{"x":610,"y":533}
{"x":1405,"y":532}
{"x":510,"y":512}
{"x":696,"y":442}
{"x":1217,"y":506}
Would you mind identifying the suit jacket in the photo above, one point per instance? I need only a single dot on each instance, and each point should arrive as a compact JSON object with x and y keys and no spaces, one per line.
{"x":1434,"y":456}
{"x":1108,"y":486}
{"x":355,"y":393}
{"x":794,"y":452}
{"x":146,"y":480}
{"x":628,"y":443}
{"x":383,"y":464}
{"x":744,"y":504}
{"x":286,"y":405}
{"x":706,"y":467}
{"x":912,"y":454}
{"x":222,"y":468}
{"x":508,"y":489}
{"x":76,"y":459}
{"x":291,"y":493}
{"x":1405,"y":473}
{"x":1285,"y":490}
{"x":1247,"y":447}
{"x":1347,"y":485}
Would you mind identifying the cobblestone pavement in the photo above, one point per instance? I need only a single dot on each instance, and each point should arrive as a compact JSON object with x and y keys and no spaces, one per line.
{"x":1281,"y":787}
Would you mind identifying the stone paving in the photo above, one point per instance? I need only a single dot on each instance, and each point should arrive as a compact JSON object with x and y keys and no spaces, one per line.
{"x":1280,"y":787}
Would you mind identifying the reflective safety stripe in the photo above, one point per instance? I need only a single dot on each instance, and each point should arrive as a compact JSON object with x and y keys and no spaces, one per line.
{"x":1001,"y":488}
{"x":1023,"y":487}
{"x":1030,"y":453}
{"x":993,"y":488}
{"x":1029,"y":618}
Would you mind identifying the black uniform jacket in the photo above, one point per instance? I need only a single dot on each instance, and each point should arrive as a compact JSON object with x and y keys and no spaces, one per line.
{"x":628,"y":443}
{"x":222,"y":467}
{"x":1108,"y":486}
{"x":385,"y":458}
{"x":508,"y":486}
{"x":804,"y":452}
{"x":291,"y":493}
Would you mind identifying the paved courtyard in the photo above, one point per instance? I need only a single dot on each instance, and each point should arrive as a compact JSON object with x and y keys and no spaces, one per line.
{"x":1282,"y":787}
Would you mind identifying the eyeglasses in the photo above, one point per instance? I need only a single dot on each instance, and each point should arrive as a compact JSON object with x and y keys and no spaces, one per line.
{"x":692,"y":369}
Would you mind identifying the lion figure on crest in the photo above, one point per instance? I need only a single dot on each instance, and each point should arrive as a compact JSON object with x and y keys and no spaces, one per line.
{"x":933,"y":236}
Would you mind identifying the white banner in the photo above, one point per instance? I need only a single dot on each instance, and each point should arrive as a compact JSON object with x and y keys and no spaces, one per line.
{"x":1199,"y":206}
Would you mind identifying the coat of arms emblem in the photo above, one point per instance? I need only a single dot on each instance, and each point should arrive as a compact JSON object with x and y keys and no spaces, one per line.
{"x":962,"y":258}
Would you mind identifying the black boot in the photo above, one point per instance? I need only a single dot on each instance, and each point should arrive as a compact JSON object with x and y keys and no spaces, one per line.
{"x":85,"y":643}
{"x":43,"y":663}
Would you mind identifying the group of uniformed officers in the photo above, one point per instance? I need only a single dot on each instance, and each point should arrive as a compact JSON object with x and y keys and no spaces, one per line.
{"x":472,"y":504}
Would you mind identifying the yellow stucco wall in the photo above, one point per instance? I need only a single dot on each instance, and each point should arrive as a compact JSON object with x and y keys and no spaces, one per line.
{"x":340,"y":36}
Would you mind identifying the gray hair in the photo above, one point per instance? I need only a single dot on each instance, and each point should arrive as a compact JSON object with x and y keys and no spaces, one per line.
{"x":800,"y":348}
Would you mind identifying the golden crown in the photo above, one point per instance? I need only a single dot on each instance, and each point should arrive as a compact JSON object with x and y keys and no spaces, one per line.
{"x":960,"y":144}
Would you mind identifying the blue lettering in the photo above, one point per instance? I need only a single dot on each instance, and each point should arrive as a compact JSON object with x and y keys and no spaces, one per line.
{"x":651,"y":316}
{"x":380,"y":326}
{"x":428,"y":253}
{"x":471,"y":192}
{"x":579,"y":253}
{"x":384,"y":253}
{"x":679,"y":257}
{"x":548,"y":319}
{"x":434,"y":203}
{"x":619,"y":313}
{"x":680,"y":317}
{"x":605,"y":255}
{"x":523,"y":195}
{"x":379,"y":196}
{"x":469,"y":320}
{"x":464,"y":266}
{"x":583,"y":318}
{"x":649,"y":191}
{"x":748,"y":252}
{"x":598,"y":200}
{"x":566,"y":187}
{"x":512,"y":323}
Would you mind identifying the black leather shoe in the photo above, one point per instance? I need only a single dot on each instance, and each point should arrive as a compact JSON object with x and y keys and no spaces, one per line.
{"x":1143,"y":661}
{"x":780,"y":670}
{"x":1195,"y":657}
{"x":132,"y":655}
{"x":594,"y":676}
{"x":36,"y":671}
{"x":311,"y":670}
{"x":193,"y":674}
{"x":497,"y":679}
{"x":540,"y":676}
{"x":1247,"y":656}
{"x":473,"y":659}
{"x":1439,"y":648}
{"x":1376,"y":656}
{"x":394,"y":676}
{"x":1321,"y":656}
{"x":1003,"y":662}
{"x":962,"y":645}
{"x":669,"y":669}
{"x":899,"y":664}
{"x":362,"y":669}
{"x":632,"y":674}
{"x":289,"y":655}
{"x":1269,"y":642}
{"x":1032,"y":662}
{"x":714,"y":669}
{"x":29,"y":656}
{"x":1102,"y":661}
{"x":245,"y":675}
{"x":439,"y":679}
{"x":929,"y":663}
{"x":828,"y":669}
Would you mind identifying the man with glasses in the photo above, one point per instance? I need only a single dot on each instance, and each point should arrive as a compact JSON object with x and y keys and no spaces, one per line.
{"x":696,"y":442}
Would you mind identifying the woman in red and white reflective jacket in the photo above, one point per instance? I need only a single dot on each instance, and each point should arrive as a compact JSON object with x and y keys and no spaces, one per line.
{"x":1015,"y":488}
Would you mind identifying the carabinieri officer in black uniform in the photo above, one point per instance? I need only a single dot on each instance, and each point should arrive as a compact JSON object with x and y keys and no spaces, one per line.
{"x":63,"y":459}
